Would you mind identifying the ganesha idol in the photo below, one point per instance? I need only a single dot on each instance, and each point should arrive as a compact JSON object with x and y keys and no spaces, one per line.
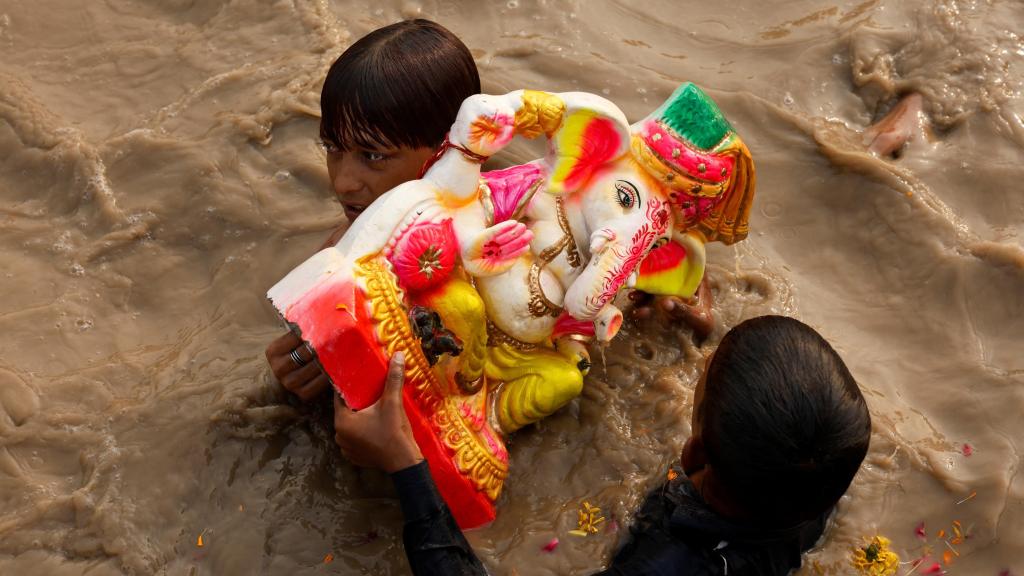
{"x":493,"y":284}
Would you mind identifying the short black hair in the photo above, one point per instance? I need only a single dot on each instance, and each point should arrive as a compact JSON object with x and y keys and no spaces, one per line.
{"x":784,"y":424}
{"x":400,"y":85}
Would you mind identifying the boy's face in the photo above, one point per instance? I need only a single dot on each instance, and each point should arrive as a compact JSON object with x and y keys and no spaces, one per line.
{"x":360,"y":175}
{"x":689,"y":459}
{"x":698,"y":394}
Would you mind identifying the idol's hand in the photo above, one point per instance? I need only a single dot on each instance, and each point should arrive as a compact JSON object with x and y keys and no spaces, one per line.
{"x":292,"y":363}
{"x":378,"y":436}
{"x":495,"y":249}
{"x":485,"y":124}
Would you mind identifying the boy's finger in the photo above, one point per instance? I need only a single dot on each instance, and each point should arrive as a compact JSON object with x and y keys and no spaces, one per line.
{"x":314,"y":388}
{"x":395,"y":377}
{"x":642,"y":312}
{"x":295,"y":380}
{"x":283,"y":344}
{"x":670,"y":304}
{"x":341,"y":413}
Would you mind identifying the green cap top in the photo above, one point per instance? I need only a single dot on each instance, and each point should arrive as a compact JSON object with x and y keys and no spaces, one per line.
{"x":694,"y":116}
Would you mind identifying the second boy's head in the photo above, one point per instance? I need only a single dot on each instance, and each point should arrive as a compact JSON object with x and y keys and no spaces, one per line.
{"x":779,"y":425}
{"x":386,"y":105}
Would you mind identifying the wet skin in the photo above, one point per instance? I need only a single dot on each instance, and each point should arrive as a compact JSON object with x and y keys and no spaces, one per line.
{"x":695,"y":461}
{"x":361,"y":175}
{"x":358,"y":175}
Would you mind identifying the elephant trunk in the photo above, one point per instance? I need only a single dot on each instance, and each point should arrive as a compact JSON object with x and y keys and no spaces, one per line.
{"x":607,"y":323}
{"x":610,"y":265}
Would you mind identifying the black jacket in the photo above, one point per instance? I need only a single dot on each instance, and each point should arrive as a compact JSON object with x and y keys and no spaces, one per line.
{"x":674,"y":533}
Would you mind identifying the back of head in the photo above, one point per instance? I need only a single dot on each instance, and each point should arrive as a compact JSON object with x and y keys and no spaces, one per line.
{"x":784,"y":424}
{"x":400,"y":85}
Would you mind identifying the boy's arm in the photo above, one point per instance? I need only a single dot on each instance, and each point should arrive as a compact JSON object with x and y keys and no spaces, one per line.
{"x":433,"y":542}
{"x":379,"y":436}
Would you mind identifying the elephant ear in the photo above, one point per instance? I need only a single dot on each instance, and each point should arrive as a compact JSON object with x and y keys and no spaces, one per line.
{"x":592,"y":133}
{"x":674,"y":269}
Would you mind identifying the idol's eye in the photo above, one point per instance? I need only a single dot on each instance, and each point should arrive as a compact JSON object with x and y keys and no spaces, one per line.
{"x":626,"y":194}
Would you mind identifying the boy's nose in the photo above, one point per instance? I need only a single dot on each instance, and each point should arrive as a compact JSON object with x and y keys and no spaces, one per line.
{"x":347,"y":183}
{"x":346,"y":187}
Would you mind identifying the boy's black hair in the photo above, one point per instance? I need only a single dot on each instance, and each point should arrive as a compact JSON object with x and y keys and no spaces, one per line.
{"x":784,"y":423}
{"x":400,"y":85}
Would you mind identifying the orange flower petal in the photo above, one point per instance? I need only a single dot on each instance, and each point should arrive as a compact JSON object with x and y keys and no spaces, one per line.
{"x":947,"y":557}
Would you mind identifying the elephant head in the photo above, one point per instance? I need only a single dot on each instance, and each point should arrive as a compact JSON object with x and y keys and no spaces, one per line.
{"x":626,"y":214}
{"x":625,"y":211}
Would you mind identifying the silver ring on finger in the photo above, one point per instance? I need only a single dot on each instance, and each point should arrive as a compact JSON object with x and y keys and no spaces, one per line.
{"x":297,"y":358}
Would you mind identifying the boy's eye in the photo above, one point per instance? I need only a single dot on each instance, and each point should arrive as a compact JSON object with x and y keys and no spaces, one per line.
{"x":329,"y":147}
{"x":374,"y":156}
{"x":626,"y":194}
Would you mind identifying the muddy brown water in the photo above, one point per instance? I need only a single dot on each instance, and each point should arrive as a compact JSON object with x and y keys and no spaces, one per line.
{"x":158,"y":172}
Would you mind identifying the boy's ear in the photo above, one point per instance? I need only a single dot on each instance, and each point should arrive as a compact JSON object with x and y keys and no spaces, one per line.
{"x":693,"y":458}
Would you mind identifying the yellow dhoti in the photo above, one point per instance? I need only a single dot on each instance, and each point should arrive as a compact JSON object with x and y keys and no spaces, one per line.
{"x":537,"y":382}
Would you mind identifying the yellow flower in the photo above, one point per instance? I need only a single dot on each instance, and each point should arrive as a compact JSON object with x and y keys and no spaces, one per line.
{"x":588,"y":520}
{"x":876,"y":559}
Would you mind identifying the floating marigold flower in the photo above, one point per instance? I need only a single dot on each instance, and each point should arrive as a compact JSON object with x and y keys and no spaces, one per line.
{"x":947,"y":557}
{"x":328,"y":558}
{"x":958,"y":535}
{"x":588,"y":520}
{"x":672,"y":475}
{"x":876,"y":559}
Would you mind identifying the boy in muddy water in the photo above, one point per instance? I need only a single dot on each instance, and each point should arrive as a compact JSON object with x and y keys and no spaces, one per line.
{"x":386,"y":105}
{"x":779,"y":428}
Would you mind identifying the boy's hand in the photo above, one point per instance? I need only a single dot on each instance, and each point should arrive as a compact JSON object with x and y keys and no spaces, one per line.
{"x":696,"y":314}
{"x":379,"y":436}
{"x":307,"y":381}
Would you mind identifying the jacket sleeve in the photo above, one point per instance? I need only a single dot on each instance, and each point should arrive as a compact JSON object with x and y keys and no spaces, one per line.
{"x":433,"y":542}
